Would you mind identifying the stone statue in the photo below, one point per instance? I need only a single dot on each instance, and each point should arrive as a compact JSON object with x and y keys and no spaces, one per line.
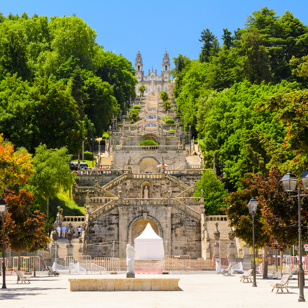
{"x":129,"y":161}
{"x":130,"y":259}
{"x":146,"y":192}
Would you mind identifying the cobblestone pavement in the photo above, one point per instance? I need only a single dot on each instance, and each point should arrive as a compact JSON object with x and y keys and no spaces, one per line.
{"x":201,"y":289}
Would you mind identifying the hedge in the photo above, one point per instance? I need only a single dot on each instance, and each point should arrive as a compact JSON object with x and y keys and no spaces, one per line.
{"x":136,"y":107}
{"x":147,"y":142}
{"x":169,"y":121}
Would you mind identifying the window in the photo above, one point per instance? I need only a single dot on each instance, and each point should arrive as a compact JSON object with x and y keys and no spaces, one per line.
{"x":166,"y":68}
{"x":138,"y":68}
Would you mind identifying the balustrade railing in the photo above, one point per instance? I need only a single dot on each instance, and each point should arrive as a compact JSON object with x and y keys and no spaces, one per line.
{"x":147,"y":148}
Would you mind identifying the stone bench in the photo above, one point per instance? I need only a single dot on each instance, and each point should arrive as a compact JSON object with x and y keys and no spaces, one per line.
{"x":124,"y":284}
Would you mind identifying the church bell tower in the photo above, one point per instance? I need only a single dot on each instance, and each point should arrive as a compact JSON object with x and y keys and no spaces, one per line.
{"x":138,"y":63}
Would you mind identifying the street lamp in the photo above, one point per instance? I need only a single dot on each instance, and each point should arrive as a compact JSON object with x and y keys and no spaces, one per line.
{"x":3,"y":212}
{"x":289,"y":182}
{"x":252,"y":206}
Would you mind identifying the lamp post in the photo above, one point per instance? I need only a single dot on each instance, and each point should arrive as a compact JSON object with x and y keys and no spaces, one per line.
{"x":3,"y":212}
{"x":252,"y":206}
{"x":289,"y":182}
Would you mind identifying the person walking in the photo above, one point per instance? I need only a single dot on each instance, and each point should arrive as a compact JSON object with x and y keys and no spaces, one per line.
{"x":64,"y":232}
{"x":59,"y":231}
{"x":79,"y":229}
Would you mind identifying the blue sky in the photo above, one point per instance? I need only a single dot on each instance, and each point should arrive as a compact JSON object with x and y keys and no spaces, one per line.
{"x":125,"y":26}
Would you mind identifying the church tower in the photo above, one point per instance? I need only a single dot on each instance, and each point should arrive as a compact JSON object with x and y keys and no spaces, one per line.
{"x":166,"y":62}
{"x":138,"y":63}
{"x":166,"y":67}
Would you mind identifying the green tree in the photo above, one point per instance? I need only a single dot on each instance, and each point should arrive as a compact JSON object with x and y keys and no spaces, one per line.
{"x":100,"y":104}
{"x":166,"y":105}
{"x":134,"y":115}
{"x":52,"y":175}
{"x":235,"y":130}
{"x":214,"y":193}
{"x":227,"y":38}
{"x":256,"y":61}
{"x":209,"y":41}
{"x":163,"y":95}
{"x":26,"y":227}
{"x":142,"y":90}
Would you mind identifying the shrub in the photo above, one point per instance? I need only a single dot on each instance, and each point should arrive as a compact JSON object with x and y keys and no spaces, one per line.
{"x":136,"y":107}
{"x":169,"y":121}
{"x":88,"y":155}
{"x":171,"y":131}
{"x":132,"y":122}
{"x":147,"y":142}
{"x":105,"y":135}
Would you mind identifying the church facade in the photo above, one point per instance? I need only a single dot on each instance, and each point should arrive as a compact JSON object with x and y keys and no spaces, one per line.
{"x":153,"y":82}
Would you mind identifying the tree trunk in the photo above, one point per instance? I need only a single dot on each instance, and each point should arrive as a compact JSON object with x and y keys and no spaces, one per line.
{"x":18,"y":261}
{"x":265,"y":262}
{"x":281,"y":256}
{"x":34,"y":265}
{"x":47,"y":215}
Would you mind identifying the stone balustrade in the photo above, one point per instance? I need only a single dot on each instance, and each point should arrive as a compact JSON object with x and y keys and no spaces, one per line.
{"x":217,"y":218}
{"x":148,"y":148}
{"x":104,"y":209}
{"x":73,"y":219}
{"x":147,"y":176}
{"x":100,"y":200}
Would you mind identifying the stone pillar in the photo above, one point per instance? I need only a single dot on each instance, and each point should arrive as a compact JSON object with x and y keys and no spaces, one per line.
{"x":246,"y":257}
{"x":167,"y":233}
{"x":231,"y":247}
{"x":216,"y":245}
{"x":123,"y":232}
{"x":70,"y":250}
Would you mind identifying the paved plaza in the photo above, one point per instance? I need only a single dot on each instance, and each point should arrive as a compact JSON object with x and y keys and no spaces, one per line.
{"x":199,"y":289}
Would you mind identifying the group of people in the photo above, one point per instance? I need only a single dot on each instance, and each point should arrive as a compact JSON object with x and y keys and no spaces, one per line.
{"x":62,"y":231}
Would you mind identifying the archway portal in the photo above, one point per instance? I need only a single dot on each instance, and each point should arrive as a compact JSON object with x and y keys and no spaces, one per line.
{"x":148,"y":165}
{"x":140,"y":225}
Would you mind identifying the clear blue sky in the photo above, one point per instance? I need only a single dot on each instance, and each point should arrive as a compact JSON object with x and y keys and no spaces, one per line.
{"x":124,"y":26}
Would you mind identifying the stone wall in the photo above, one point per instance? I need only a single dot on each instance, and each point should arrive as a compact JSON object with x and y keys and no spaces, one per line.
{"x":175,"y":158}
{"x":181,"y":234}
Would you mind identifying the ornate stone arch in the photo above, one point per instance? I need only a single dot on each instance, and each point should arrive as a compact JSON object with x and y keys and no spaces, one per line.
{"x":150,"y":137}
{"x":148,"y":164}
{"x":131,"y":224}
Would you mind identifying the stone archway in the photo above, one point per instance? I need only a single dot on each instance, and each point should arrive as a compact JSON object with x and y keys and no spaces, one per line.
{"x":148,"y":164}
{"x":138,"y":224}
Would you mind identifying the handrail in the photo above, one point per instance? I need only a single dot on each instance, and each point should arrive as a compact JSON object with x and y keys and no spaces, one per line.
{"x":177,"y":181}
{"x":104,"y":209}
{"x":192,"y":188}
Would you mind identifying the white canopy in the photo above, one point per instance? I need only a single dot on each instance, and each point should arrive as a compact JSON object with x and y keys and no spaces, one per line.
{"x":148,"y":245}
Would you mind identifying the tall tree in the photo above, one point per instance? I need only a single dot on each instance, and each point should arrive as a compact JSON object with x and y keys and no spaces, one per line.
{"x":227,"y":38}
{"x":209,"y":40}
{"x":214,"y":193}
{"x":27,"y":226}
{"x":256,"y":61}
{"x":15,"y":166}
{"x":52,"y":175}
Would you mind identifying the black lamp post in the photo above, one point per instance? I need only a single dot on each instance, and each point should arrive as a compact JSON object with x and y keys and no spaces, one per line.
{"x":289,"y":182}
{"x":252,"y":206}
{"x":3,"y":212}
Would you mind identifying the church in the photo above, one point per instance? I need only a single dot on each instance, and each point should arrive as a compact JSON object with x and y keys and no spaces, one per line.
{"x":152,"y":81}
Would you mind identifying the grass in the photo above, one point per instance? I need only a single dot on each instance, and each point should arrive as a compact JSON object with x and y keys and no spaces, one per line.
{"x":69,"y":206}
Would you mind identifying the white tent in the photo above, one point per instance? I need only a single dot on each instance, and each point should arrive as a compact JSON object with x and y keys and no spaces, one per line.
{"x":148,"y":245}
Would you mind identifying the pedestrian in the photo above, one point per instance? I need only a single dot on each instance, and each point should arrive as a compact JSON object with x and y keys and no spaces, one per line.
{"x":59,"y":231}
{"x":79,"y":229}
{"x":64,"y":232}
